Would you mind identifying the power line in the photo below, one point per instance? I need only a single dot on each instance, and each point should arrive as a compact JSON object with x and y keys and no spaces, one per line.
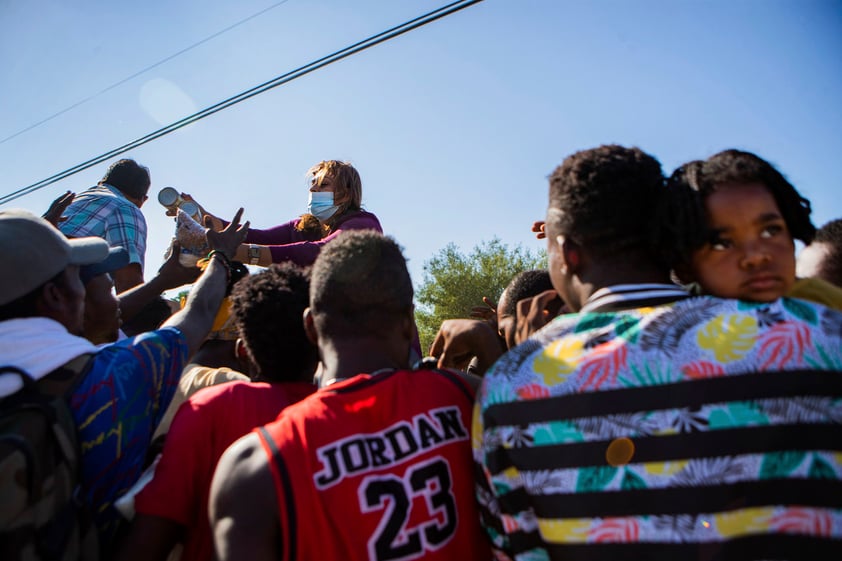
{"x":275,"y":82}
{"x":145,"y":70}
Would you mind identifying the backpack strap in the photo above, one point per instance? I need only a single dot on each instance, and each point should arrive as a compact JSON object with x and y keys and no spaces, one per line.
{"x":64,"y":379}
{"x":60,"y":382}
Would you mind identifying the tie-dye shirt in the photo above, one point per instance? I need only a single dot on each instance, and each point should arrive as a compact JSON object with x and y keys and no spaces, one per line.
{"x":117,"y":406}
{"x":703,"y":429}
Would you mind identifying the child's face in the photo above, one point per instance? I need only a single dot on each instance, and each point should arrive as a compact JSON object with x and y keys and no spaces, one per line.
{"x":751,"y":255}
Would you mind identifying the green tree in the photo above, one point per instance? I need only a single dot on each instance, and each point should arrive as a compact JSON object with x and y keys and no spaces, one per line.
{"x":454,"y":282}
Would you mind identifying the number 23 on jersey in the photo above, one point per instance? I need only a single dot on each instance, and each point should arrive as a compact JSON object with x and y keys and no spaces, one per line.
{"x":418,"y":511}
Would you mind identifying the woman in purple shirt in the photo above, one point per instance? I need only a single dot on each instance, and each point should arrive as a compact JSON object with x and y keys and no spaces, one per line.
{"x":334,"y":206}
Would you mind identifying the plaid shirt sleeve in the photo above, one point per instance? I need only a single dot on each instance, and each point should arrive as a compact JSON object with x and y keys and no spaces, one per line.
{"x":126,"y":227}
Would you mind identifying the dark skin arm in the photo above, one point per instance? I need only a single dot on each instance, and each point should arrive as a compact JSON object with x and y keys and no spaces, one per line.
{"x":57,"y":207}
{"x":172,"y":274}
{"x":536,"y":312}
{"x":459,"y":340}
{"x":128,"y":277}
{"x":243,"y":505}
{"x":216,"y":222}
{"x":487,"y":313}
{"x":196,"y":319}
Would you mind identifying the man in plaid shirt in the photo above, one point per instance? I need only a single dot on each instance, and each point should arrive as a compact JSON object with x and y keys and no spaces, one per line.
{"x":111,"y":210}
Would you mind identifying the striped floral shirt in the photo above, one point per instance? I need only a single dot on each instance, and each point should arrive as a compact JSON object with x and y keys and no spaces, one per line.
{"x":703,"y":429}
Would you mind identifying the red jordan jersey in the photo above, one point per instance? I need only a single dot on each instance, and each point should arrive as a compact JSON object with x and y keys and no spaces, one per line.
{"x":378,"y":467}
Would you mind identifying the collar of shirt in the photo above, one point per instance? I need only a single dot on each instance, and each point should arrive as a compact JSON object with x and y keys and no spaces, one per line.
{"x":626,"y":296}
{"x":114,"y":190}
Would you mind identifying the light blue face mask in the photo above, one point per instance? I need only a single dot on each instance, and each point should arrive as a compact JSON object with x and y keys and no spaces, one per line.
{"x":321,"y":205}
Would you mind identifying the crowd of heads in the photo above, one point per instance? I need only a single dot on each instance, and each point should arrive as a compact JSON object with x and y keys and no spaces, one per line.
{"x":612,"y":201}
{"x":726,"y":225}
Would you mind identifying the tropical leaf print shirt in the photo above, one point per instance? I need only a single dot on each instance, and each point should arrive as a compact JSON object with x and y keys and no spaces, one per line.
{"x":703,"y":429}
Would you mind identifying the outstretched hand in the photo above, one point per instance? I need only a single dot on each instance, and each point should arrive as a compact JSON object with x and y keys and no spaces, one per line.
{"x":539,"y":227}
{"x":228,"y":239}
{"x":536,"y":312}
{"x":173,"y":273}
{"x":460,"y":340}
{"x":487,"y":313}
{"x":53,"y":214}
{"x":217,"y":223}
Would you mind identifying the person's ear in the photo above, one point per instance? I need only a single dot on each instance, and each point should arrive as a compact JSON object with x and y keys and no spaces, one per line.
{"x":55,"y":303}
{"x":684,"y":273}
{"x":341,"y":195}
{"x":572,"y":253}
{"x":240,"y":349}
{"x":51,"y":294}
{"x":52,"y":298}
{"x":310,"y":327}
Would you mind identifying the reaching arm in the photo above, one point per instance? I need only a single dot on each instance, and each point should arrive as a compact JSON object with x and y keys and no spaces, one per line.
{"x":196,"y":319}
{"x":128,"y":277}
{"x":487,"y":312}
{"x":302,"y":248}
{"x":172,"y":274}
{"x":57,"y":207}
{"x":215,"y":224}
{"x":243,"y":507}
{"x":535,"y":312}
{"x":459,"y":340}
{"x":539,"y":227}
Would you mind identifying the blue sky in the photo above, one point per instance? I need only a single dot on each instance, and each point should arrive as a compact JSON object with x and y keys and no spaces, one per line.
{"x":454,"y":127}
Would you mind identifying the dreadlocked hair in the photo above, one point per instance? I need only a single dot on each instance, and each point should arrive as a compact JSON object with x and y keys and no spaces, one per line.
{"x":691,"y":184}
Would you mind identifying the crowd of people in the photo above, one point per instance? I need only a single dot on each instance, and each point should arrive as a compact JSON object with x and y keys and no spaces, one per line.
{"x":669,"y":387}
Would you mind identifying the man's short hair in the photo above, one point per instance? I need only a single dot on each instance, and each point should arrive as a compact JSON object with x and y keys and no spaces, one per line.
{"x":129,"y":177}
{"x":360,"y":285}
{"x":268,"y":310}
{"x":609,"y":200}
{"x":526,"y":284}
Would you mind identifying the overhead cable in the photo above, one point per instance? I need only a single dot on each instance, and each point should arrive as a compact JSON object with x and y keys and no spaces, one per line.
{"x":143,"y":71}
{"x":275,"y":82}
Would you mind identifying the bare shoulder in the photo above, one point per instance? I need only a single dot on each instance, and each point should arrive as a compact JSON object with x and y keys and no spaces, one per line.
{"x":243,"y":503}
{"x":245,"y":456}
